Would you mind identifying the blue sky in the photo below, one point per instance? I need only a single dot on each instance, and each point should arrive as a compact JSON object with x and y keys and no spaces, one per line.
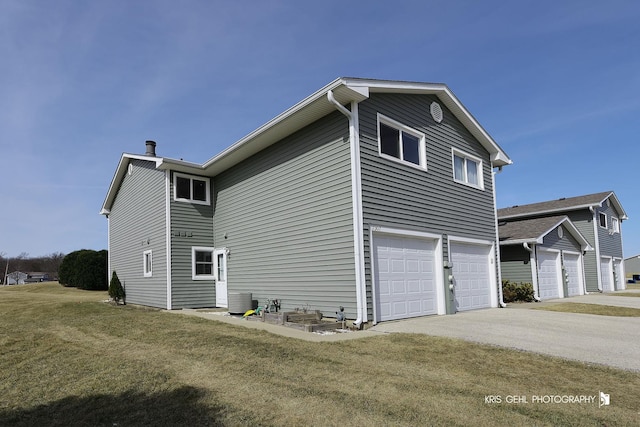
{"x":556,"y":83}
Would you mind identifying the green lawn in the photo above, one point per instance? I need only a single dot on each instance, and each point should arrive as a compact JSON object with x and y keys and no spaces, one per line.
{"x":68,"y":359}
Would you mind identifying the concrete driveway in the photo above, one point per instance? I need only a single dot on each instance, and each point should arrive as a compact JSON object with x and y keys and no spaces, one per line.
{"x":612,"y":341}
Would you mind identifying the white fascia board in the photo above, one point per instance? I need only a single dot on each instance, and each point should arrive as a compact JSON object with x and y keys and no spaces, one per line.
{"x":536,"y":241}
{"x":442,"y":91}
{"x":121,"y":170}
{"x":549,"y":211}
{"x":617,"y":205}
{"x":577,"y":235}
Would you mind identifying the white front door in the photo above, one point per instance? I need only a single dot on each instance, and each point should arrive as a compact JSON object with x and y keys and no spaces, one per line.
{"x":220,"y":265}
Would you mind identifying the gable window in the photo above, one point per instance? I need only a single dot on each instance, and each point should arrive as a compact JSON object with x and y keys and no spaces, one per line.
{"x":467,"y":169}
{"x":202,"y":263}
{"x":147,"y":263}
{"x":602,"y":219}
{"x":615,"y":224}
{"x":193,"y":189}
{"x":401,"y":143}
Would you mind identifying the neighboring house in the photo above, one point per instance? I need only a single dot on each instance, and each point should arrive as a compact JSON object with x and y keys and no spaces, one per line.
{"x":546,"y":252}
{"x":598,"y":217}
{"x":37,"y":276}
{"x":16,"y":278}
{"x":377,"y":196}
{"x":632,"y":267}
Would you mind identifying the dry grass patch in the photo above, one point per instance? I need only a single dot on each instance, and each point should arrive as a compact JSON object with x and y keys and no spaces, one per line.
{"x":598,"y":309}
{"x":625,"y":294}
{"x":66,"y":359}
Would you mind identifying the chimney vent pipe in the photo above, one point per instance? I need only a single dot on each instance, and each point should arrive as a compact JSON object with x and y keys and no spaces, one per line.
{"x":151,"y":148}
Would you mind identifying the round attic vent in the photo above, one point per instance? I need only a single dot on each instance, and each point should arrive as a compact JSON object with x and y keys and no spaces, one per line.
{"x":436,"y":112}
{"x":560,"y":232}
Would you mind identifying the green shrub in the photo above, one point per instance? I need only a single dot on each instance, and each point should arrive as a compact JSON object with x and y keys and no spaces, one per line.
{"x":512,"y":291}
{"x":116,"y":291}
{"x":84,"y":269}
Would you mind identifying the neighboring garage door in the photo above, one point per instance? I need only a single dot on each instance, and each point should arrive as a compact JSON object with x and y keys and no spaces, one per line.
{"x":472,"y":275}
{"x":548,"y":277}
{"x":405,"y":277}
{"x":573,"y":268}
{"x":619,"y":277}
{"x":606,"y":274}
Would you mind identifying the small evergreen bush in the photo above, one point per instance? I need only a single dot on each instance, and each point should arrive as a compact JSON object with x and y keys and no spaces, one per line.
{"x":116,"y":291}
{"x":512,"y":291}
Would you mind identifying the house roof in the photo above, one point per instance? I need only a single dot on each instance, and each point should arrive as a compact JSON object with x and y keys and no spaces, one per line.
{"x":345,"y":90}
{"x":563,"y":205}
{"x":533,"y":230}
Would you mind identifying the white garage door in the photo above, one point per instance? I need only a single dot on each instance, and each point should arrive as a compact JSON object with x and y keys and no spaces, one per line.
{"x":548,"y":275}
{"x":606,"y":274}
{"x":471,"y":272}
{"x":619,"y":277}
{"x":573,"y":267}
{"x":405,"y":277}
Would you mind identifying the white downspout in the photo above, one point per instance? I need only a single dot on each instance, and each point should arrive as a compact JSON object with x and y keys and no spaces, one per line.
{"x":534,"y":271}
{"x":597,"y":248}
{"x":495,"y":216}
{"x":356,"y":197}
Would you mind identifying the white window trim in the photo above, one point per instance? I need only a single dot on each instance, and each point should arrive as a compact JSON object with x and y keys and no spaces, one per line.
{"x":195,"y":276}
{"x":191,"y":178}
{"x":145,"y":254}
{"x":606,"y":220}
{"x":422,"y":141}
{"x":615,"y":224}
{"x":455,"y":152}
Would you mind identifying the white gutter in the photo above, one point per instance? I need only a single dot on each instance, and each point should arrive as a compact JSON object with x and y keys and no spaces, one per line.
{"x":495,"y":217}
{"x":597,"y":248}
{"x":356,"y":197}
{"x":534,"y":271}
{"x":167,"y":212}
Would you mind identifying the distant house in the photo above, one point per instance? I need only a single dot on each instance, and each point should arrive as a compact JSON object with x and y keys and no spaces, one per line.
{"x":632,"y":267}
{"x":17,"y":278}
{"x":377,"y":196}
{"x":546,"y":252}
{"x":37,"y":276}
{"x":598,"y":217}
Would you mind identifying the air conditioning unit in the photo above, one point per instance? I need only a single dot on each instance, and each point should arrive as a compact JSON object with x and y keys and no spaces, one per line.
{"x":239,"y":302}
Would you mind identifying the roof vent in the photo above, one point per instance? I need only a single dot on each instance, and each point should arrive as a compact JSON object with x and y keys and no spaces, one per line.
{"x":151,"y":148}
{"x":436,"y":112}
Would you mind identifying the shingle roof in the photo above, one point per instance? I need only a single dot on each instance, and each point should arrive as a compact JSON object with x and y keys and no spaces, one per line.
{"x":533,"y":230}
{"x":561,"y":205}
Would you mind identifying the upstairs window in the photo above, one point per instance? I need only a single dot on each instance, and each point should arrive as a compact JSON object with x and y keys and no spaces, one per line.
{"x":602,"y":219}
{"x":467,"y":169}
{"x":191,"y":189}
{"x":615,"y":224}
{"x":401,"y":143}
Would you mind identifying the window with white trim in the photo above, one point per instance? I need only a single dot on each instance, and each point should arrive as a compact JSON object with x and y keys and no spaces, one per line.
{"x":602,"y":220}
{"x":192,"y":189}
{"x":202,"y":263}
{"x":401,"y":143}
{"x":147,"y":263}
{"x":615,"y":224}
{"x":467,"y":169}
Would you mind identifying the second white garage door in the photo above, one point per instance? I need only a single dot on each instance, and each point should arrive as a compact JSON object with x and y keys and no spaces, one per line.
{"x":548,"y":274}
{"x":472,"y":275}
{"x":573,"y":268}
{"x":405,"y":277}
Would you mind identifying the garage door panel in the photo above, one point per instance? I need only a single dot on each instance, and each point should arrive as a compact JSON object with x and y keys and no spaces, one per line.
{"x":573,"y":270}
{"x":405,"y":277}
{"x":548,"y":275}
{"x":471,"y":274}
{"x":606,"y":274}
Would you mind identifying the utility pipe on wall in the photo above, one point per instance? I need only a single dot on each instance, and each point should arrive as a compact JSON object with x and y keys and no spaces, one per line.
{"x":534,"y":271}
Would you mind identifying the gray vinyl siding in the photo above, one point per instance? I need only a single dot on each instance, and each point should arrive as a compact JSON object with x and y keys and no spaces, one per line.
{"x":137,"y":223}
{"x":610,"y":244}
{"x":567,"y":243}
{"x":583,"y":220}
{"x":191,"y":225}
{"x":401,"y":196}
{"x":515,"y":264}
{"x":285,"y":215}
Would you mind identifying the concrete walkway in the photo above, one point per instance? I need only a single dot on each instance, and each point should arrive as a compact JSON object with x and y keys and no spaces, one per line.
{"x":612,"y":341}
